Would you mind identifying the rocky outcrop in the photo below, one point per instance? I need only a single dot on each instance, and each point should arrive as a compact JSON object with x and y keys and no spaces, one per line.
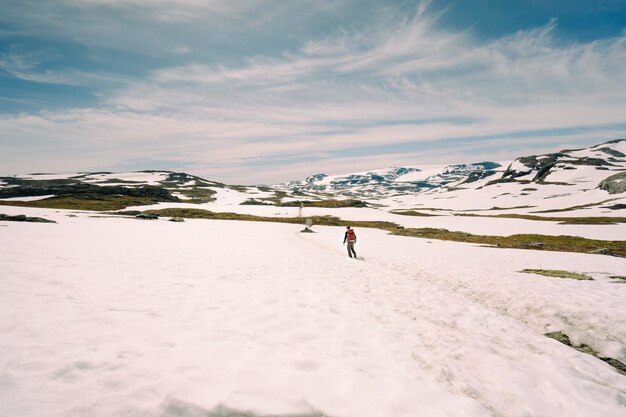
{"x":24,"y":218}
{"x":615,"y":184}
{"x":563,"y":338}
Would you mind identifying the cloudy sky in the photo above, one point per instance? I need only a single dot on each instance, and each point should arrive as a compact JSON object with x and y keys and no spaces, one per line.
{"x":262,"y":91}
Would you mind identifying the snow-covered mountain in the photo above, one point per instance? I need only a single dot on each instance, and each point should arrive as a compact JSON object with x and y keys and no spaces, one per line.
{"x":590,"y":177}
{"x":394,"y":180}
{"x":591,"y":166}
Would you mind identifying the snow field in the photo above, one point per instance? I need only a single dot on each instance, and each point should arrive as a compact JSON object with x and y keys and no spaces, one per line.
{"x":123,"y":317}
{"x":145,"y":178}
{"x":474,"y":225}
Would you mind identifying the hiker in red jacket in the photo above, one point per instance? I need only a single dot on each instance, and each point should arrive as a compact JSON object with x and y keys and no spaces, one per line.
{"x":350,"y":237}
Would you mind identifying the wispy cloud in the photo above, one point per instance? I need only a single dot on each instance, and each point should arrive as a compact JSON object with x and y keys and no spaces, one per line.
{"x":353,"y":97}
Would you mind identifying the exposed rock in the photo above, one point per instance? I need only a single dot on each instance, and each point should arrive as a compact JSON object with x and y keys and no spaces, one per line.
{"x":147,"y":216}
{"x":615,"y":364}
{"x":478,"y":175}
{"x":314,"y":178}
{"x":563,"y":338}
{"x":560,"y":336}
{"x":24,"y":218}
{"x":177,"y":219}
{"x":615,"y":184}
{"x":534,"y":244}
{"x":598,"y":162}
{"x":612,"y":152}
{"x":603,"y":251}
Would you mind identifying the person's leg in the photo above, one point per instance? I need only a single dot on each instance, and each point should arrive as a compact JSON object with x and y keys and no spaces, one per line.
{"x":351,"y":251}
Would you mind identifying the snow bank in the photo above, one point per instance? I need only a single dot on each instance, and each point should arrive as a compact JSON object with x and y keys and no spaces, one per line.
{"x":35,"y":198}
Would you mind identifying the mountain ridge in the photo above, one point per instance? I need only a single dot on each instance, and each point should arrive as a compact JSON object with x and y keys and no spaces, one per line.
{"x":552,"y":181}
{"x":538,"y":169}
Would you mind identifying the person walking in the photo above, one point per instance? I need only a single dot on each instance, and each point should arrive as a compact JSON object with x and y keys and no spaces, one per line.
{"x":350,"y":237}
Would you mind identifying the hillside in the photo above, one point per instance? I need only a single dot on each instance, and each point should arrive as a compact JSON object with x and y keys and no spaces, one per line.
{"x":562,"y":181}
{"x":567,"y":178}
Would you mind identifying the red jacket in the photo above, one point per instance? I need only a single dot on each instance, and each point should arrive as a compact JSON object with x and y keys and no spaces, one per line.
{"x":350,"y":236}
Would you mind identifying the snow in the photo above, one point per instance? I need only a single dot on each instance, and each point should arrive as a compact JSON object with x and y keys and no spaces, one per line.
{"x":582,"y":174}
{"x":505,"y":195}
{"x":425,"y":172}
{"x":181,"y":196}
{"x":47,"y":176}
{"x":229,"y":196}
{"x":484,"y":201}
{"x":114,"y":316}
{"x":34,"y":198}
{"x":147,"y":178}
{"x":594,"y":152}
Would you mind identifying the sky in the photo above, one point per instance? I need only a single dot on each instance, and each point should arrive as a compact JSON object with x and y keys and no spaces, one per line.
{"x":266,"y":91}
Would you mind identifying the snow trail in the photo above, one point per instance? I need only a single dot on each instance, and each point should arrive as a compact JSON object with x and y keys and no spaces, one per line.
{"x":468,"y":344}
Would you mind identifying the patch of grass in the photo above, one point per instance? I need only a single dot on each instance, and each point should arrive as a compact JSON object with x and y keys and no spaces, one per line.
{"x":267,"y":201}
{"x":412,"y":213}
{"x":256,"y":202}
{"x":326,"y":203}
{"x":573,"y":208}
{"x":276,"y":201}
{"x":93,"y":203}
{"x":117,"y":181}
{"x":504,"y":208}
{"x":616,"y":207}
{"x":619,"y":278}
{"x":537,"y":242}
{"x":206,"y":214}
{"x":593,"y":220}
{"x":501,"y":181}
{"x":558,"y":274}
{"x":495,"y":208}
{"x":238,"y":188}
{"x":197,"y":195}
{"x":427,"y":208}
{"x":520,"y":241}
